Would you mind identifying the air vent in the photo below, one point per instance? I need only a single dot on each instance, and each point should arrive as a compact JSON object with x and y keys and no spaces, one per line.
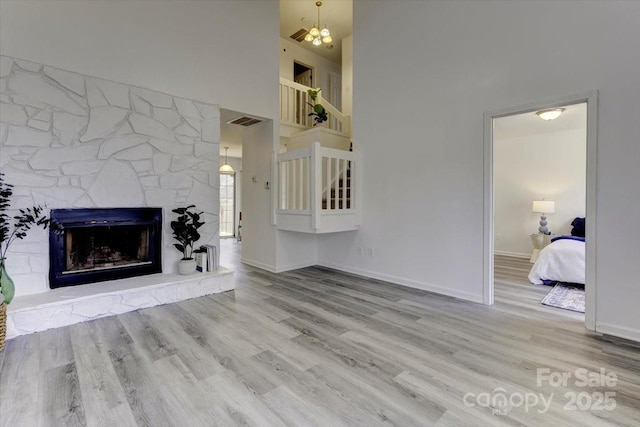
{"x":299,"y":35}
{"x":244,"y":121}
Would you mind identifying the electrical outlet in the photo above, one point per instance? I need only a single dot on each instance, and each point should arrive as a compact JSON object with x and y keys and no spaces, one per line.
{"x":370,"y":252}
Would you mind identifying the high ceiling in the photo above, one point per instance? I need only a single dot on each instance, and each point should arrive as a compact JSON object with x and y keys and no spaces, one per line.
{"x":337,"y":15}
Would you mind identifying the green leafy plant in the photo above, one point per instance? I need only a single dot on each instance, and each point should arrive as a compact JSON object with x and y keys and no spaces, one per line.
{"x":319,"y":113}
{"x":185,"y":230}
{"x":29,"y":217}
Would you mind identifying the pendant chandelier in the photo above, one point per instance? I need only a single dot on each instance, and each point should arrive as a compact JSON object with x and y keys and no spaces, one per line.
{"x":226,"y":167}
{"x":315,"y":34}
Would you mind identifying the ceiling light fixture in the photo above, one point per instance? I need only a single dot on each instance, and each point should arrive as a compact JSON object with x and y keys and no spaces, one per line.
{"x":316,"y":35}
{"x":550,"y":114}
{"x":226,"y":168}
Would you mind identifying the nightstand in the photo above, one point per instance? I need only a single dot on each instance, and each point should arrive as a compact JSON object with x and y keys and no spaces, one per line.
{"x":539,"y":241}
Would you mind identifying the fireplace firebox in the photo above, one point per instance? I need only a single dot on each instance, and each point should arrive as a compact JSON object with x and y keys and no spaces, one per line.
{"x":94,"y":245}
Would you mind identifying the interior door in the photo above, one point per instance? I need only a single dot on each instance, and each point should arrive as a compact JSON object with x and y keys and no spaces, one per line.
{"x":304,"y":76}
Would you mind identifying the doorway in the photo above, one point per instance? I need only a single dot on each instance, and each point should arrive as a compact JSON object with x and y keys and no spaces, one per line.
{"x":304,"y":75}
{"x":227,"y":204}
{"x":590,"y":99}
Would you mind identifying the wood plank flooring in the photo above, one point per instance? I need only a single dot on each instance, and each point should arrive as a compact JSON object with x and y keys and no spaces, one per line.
{"x":315,"y":347}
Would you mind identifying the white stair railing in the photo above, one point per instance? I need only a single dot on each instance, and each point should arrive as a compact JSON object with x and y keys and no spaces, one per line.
{"x":295,"y":108}
{"x":317,"y":181}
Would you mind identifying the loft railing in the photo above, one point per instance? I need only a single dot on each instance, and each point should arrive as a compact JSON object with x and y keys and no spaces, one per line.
{"x":318,"y":182}
{"x":295,"y":108}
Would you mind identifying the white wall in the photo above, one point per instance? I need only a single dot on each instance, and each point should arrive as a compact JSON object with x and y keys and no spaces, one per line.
{"x":194,"y":49}
{"x":550,"y":166}
{"x":290,"y":52}
{"x":425,"y":100}
{"x":258,"y":235}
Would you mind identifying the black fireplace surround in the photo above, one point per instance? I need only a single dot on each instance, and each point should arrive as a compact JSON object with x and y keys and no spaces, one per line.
{"x":94,"y":245}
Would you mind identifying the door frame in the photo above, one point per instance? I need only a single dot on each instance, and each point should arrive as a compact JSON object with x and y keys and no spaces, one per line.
{"x":235,"y":203}
{"x":591,"y":99}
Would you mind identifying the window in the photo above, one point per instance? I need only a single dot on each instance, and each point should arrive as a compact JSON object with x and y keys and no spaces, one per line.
{"x":227,"y":204}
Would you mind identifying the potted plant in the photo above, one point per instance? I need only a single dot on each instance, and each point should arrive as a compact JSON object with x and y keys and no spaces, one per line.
{"x":319,"y":114}
{"x":185,"y":231}
{"x":12,"y":229}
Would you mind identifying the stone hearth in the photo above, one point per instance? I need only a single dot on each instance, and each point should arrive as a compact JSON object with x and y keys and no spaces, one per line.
{"x":66,"y":306}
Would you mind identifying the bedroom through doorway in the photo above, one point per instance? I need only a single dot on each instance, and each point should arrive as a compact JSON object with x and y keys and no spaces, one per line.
{"x":539,"y":199}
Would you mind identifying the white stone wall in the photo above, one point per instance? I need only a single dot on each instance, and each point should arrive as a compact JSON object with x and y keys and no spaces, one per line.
{"x":74,"y":141}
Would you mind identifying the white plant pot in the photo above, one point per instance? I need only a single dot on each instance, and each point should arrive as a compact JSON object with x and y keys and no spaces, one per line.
{"x":187,"y":266}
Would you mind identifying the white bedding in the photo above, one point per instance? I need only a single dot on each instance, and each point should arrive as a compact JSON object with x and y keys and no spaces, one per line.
{"x":561,"y":261}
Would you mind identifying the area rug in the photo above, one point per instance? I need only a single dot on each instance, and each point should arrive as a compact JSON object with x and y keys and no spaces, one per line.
{"x":565,"y":296}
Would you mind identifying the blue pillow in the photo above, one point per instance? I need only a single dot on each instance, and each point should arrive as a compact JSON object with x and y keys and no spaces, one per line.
{"x":578,"y":227}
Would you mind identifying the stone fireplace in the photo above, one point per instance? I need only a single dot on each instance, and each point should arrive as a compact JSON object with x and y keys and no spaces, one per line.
{"x":81,"y":147}
{"x":69,"y":141}
{"x":94,"y":245}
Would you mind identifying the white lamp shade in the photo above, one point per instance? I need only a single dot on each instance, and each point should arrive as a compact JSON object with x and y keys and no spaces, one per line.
{"x":226,"y":168}
{"x":543,"y":206}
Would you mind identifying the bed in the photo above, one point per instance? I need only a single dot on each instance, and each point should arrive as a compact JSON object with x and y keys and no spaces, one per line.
{"x":563,"y":260}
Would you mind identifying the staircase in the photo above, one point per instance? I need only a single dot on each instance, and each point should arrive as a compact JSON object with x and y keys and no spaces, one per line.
{"x":318,"y":189}
{"x":295,"y":109}
{"x":339,"y":196}
{"x":317,"y":177}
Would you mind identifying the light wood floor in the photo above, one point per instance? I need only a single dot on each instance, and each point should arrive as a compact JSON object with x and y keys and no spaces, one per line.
{"x":315,"y":347}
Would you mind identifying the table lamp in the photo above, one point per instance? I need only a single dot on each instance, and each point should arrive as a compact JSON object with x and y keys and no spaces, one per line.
{"x":543,"y":207}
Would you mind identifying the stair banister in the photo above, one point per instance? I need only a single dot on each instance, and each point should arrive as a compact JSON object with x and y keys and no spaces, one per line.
{"x":289,"y":106}
{"x":304,"y":204}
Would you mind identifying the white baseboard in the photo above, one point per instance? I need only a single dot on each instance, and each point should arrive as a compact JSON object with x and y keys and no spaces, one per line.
{"x":281,"y":269}
{"x":258,"y":264}
{"x":406,"y":282}
{"x":278,"y":269}
{"x":512,"y":254}
{"x":632,"y":334}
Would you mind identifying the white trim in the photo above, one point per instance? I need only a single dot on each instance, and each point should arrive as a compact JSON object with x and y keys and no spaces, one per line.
{"x":429,"y":287}
{"x":289,"y":267}
{"x":258,"y":264}
{"x":632,"y":334}
{"x":591,"y":98}
{"x":279,"y":269}
{"x":512,"y":254}
{"x":591,"y":291}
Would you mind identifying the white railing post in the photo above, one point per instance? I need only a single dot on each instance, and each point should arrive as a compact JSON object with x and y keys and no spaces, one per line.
{"x":316,"y":185}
